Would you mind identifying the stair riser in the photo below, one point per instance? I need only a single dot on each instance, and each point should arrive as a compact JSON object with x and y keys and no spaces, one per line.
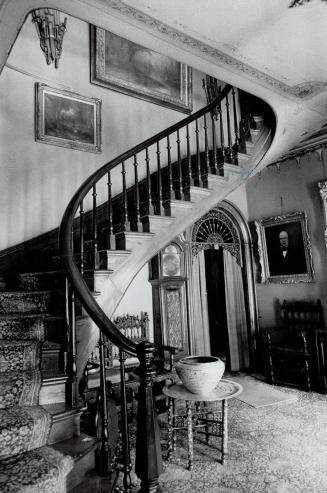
{"x":111,"y":260}
{"x":42,"y":281}
{"x":36,"y":327}
{"x":22,"y":328}
{"x":20,"y":358}
{"x":32,"y":303}
{"x":53,"y":360}
{"x":52,"y":393}
{"x":81,"y":467}
{"x":64,"y":428}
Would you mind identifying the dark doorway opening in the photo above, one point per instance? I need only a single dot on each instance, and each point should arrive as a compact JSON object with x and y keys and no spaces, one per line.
{"x":215,"y":281}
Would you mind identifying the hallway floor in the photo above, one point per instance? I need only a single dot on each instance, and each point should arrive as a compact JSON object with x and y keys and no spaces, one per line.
{"x":280,"y":448}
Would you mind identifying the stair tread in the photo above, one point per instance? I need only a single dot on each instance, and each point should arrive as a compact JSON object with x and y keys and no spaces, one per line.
{"x":62,"y":409}
{"x":46,"y":272}
{"x":42,"y":469}
{"x":77,"y":446}
{"x":51,"y":374}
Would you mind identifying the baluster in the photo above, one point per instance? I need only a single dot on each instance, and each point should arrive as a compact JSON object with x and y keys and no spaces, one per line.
{"x":228,"y":151}
{"x":71,"y":336}
{"x":159,"y":188}
{"x":179,"y":168}
{"x":214,"y":165}
{"x":170,"y":188}
{"x":206,"y":152}
{"x":124,"y":426}
{"x":103,"y":455}
{"x":81,"y":236}
{"x":94,"y":227}
{"x":222,"y":135}
{"x":236,"y":136}
{"x":126,"y":223}
{"x":138,"y":223}
{"x":189,"y":180}
{"x":111,"y":237}
{"x":198,"y":161}
{"x":148,"y":465}
{"x":150,"y":205}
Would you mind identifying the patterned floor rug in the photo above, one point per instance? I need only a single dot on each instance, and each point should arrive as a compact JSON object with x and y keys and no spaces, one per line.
{"x":281,"y":448}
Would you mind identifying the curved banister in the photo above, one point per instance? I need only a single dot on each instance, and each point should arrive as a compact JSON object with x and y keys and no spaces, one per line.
{"x":65,"y":233}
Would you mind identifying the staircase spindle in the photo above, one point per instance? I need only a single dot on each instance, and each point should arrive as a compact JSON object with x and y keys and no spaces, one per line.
{"x":126,"y":223}
{"x":236,"y":135}
{"x":138,"y":223}
{"x":71,"y":341}
{"x":198,"y":160}
{"x":170,"y":188}
{"x":229,"y":137}
{"x":126,"y":457}
{"x":81,"y":237}
{"x":94,"y":227}
{"x":179,"y":167}
{"x":189,"y":180}
{"x":111,"y":238}
{"x":159,"y":187}
{"x":222,"y":135}
{"x":150,"y":205}
{"x":102,"y":455}
{"x":206,"y":151}
{"x":214,"y":164}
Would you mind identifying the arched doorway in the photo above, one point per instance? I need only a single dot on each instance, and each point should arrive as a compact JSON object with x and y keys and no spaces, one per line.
{"x":221,"y":287}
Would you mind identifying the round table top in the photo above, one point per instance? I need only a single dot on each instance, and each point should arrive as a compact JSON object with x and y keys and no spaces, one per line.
{"x":226,"y":389}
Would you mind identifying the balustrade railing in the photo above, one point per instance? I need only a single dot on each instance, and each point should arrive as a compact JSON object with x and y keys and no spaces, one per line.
{"x":118,"y":198}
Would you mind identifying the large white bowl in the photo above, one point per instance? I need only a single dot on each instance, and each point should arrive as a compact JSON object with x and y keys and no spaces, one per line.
{"x":200,"y":374}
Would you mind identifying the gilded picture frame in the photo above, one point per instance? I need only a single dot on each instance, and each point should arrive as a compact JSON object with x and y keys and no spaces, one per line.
{"x":121,"y":65}
{"x":284,"y":249}
{"x":67,"y":119}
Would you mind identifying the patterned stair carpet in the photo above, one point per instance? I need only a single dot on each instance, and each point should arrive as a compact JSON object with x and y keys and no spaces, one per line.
{"x":281,"y":448}
{"x":26,"y":463}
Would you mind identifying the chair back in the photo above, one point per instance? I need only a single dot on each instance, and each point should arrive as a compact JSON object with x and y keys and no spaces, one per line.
{"x":302,"y":315}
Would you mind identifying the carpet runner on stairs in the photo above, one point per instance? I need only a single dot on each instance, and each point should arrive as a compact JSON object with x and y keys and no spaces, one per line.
{"x":26,"y":463}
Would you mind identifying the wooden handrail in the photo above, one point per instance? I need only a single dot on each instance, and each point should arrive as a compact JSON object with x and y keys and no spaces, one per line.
{"x":65,"y":238}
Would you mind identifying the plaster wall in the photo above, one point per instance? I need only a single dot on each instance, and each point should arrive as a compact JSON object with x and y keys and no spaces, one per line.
{"x":274,"y":192}
{"x":138,"y":298}
{"x":37,"y":180}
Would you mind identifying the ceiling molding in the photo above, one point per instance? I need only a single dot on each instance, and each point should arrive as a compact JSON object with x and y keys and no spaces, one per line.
{"x":300,"y":91}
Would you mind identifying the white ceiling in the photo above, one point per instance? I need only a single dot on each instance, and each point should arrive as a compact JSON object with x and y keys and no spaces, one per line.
{"x":265,"y":34}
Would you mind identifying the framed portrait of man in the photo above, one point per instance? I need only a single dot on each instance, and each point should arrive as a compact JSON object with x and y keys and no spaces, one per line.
{"x":285,"y":249}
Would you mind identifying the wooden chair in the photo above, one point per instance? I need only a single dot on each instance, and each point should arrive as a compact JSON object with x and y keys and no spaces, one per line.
{"x":291,"y":349}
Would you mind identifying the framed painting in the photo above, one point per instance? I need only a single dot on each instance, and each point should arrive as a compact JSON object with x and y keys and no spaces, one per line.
{"x":67,"y":119}
{"x":124,"y":66}
{"x":285,"y":249}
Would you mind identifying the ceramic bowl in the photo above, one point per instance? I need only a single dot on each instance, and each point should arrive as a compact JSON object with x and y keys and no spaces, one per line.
{"x":200,"y":374}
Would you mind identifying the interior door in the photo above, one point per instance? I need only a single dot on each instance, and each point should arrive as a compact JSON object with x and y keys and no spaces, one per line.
{"x":214,"y":268}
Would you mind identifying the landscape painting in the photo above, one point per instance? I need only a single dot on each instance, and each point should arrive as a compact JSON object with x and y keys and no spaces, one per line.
{"x":67,"y":119}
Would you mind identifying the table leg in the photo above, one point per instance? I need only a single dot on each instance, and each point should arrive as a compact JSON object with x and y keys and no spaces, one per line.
{"x":174,"y":434}
{"x":224,"y":439}
{"x":170,"y":427}
{"x":189,"y":435}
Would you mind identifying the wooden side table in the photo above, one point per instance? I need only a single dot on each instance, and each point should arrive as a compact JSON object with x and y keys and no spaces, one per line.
{"x":200,"y":417}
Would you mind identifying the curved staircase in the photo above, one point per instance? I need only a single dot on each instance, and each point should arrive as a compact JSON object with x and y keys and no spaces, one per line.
{"x":103,"y":245}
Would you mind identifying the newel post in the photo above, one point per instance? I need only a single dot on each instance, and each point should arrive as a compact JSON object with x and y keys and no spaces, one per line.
{"x":148,"y":465}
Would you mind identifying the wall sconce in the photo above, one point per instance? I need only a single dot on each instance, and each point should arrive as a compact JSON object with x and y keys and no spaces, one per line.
{"x":51,"y":32}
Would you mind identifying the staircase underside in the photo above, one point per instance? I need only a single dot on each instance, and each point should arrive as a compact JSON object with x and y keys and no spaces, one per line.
{"x":143,"y":246}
